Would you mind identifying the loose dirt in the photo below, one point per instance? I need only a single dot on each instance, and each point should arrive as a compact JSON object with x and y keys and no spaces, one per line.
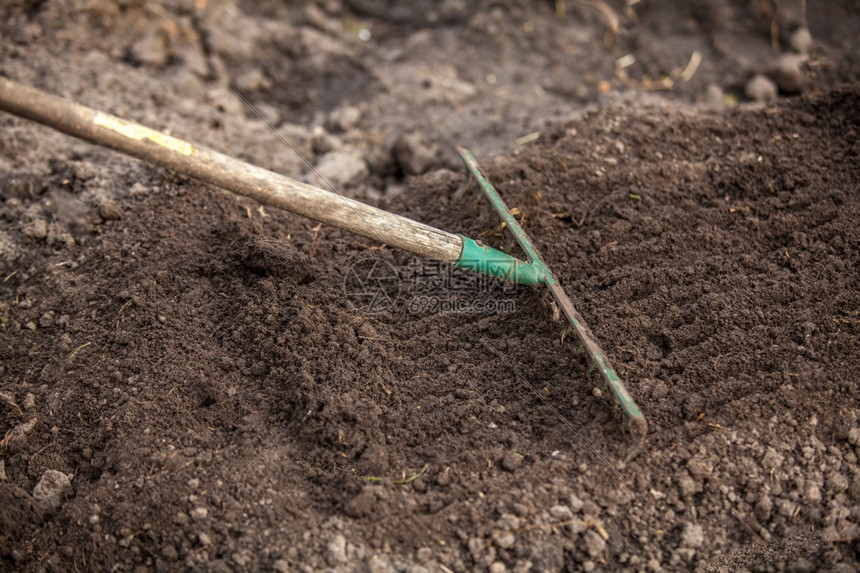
{"x":187,"y":383}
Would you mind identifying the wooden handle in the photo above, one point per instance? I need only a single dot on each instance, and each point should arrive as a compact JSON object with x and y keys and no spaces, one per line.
{"x":216,"y":168}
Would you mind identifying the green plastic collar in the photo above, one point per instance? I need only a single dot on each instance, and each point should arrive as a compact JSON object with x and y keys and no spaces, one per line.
{"x":489,"y":261}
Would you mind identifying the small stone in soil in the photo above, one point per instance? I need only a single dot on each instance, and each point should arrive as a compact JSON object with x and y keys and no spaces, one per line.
{"x":761,"y":89}
{"x":344,"y":118}
{"x":786,"y":507}
{"x":594,"y":544}
{"x":692,"y":535}
{"x":424,"y":554}
{"x":323,"y":142}
{"x":199,"y":513}
{"x":38,"y":230}
{"x":561,"y":512}
{"x":772,"y":459}
{"x":511,"y":461}
{"x":687,"y":486}
{"x":252,"y":80}
{"x":812,"y":493}
{"x":700,"y":467}
{"x":336,"y":550}
{"x":590,"y":508}
{"x":788,"y":74}
{"x":108,"y":209}
{"x":413,"y":155}
{"x":51,"y":489}
{"x":443,"y":478}
{"x":150,"y":50}
{"x":505,"y":540}
{"x":575,"y":527}
{"x":340,"y":168}
{"x":801,"y":41}
{"x":714,"y":97}
{"x":46,"y":320}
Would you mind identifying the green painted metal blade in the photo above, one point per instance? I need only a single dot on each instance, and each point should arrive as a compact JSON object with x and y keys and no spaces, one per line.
{"x":635,"y":421}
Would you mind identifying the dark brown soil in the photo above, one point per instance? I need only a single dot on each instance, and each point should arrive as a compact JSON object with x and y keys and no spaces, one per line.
{"x":192,"y":363}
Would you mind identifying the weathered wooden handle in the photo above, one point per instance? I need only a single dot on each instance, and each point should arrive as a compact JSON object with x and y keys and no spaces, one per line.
{"x":216,"y":168}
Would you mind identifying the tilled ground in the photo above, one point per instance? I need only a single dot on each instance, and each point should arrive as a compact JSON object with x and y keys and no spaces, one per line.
{"x":188,"y":380}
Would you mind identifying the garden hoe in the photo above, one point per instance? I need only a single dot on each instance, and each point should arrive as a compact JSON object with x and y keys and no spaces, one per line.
{"x":325,"y":206}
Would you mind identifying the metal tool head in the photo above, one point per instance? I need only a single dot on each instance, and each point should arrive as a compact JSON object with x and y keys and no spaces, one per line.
{"x":634,"y":420}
